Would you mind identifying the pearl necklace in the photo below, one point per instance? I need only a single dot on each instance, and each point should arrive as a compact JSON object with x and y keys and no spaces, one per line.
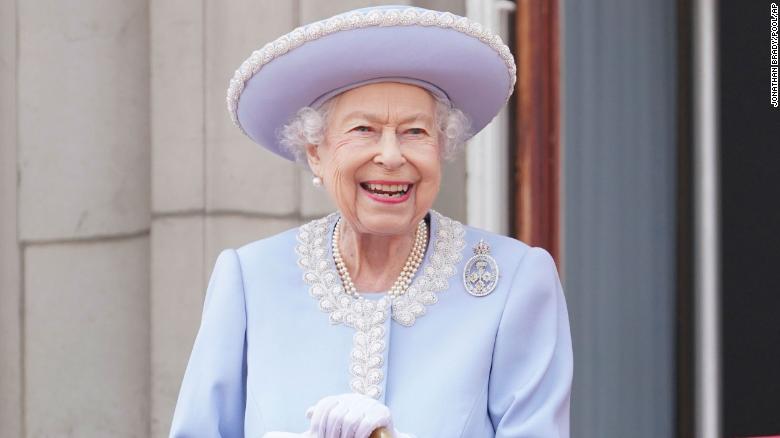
{"x":407,"y":273}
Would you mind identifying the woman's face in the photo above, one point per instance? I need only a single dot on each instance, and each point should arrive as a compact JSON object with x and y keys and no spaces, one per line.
{"x":380,"y":159}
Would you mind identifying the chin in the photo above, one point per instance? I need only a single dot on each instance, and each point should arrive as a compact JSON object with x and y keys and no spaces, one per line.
{"x":388,"y":222}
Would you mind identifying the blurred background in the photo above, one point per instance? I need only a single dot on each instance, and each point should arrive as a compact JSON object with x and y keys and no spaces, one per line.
{"x":640,"y":149}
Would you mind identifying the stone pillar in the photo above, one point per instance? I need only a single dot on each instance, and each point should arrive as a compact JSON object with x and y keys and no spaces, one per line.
{"x":10,"y":252}
{"x":250,"y":193}
{"x":212,"y":187}
{"x":178,"y":147}
{"x":83,"y":199}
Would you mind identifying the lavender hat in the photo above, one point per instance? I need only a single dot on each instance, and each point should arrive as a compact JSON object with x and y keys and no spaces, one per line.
{"x":451,"y":56}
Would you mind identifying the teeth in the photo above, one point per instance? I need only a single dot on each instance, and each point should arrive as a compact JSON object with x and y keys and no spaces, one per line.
{"x":390,"y":188}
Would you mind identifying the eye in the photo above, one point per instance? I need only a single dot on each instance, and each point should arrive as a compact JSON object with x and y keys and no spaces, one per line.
{"x":362,"y":128}
{"x":416,"y":131}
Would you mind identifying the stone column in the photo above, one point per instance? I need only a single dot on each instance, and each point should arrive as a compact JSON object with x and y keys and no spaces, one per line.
{"x":83,"y":199}
{"x":212,"y":187}
{"x":178,"y":146}
{"x":10,"y":252}
{"x":250,"y":193}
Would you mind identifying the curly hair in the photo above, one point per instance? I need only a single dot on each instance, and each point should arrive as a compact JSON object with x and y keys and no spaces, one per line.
{"x":309,"y":124}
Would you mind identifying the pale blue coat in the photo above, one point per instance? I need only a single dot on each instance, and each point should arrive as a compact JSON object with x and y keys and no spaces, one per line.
{"x":278,"y":334}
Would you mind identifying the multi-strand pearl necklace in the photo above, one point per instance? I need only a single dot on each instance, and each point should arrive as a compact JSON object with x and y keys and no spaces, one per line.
{"x":407,"y":273}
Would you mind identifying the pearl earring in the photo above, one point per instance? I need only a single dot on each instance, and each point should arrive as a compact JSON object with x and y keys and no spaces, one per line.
{"x":316,"y":181}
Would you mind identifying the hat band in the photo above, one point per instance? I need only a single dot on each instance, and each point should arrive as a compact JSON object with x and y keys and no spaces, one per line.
{"x":438,"y":92}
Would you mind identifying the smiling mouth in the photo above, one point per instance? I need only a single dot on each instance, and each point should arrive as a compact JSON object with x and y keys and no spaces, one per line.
{"x":388,"y":191}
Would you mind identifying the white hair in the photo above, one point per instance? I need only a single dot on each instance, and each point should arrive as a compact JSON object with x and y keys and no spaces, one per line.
{"x":309,"y":124}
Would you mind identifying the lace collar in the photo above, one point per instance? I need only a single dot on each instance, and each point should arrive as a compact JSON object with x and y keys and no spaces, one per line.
{"x":444,"y":251}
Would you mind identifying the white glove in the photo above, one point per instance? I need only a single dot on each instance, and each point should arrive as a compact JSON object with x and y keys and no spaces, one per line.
{"x":349,"y":416}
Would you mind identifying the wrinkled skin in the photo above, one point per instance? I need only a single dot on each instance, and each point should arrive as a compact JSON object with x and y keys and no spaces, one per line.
{"x":379,"y":132}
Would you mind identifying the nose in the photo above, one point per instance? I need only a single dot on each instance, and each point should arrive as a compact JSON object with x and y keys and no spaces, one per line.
{"x":390,"y":155}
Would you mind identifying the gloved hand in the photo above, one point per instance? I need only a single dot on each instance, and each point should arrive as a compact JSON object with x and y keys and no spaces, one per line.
{"x":349,"y":416}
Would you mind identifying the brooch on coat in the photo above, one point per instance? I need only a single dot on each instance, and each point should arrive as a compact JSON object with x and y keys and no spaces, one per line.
{"x":480,"y":275}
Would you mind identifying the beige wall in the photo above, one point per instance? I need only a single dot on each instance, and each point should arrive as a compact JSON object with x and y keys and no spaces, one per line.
{"x":122,"y":178}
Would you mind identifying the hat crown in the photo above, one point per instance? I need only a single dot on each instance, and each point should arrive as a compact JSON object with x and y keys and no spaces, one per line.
{"x":376,"y":20}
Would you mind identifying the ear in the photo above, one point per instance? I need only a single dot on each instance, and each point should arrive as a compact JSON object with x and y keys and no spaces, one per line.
{"x":313,"y":158}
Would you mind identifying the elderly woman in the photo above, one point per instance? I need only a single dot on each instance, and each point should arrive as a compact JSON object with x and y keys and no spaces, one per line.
{"x":385,"y":314}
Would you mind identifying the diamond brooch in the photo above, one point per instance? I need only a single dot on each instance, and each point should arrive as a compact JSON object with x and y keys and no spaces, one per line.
{"x":480,"y":275}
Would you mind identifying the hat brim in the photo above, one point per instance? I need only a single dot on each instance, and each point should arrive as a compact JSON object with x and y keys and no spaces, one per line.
{"x":472,"y":74}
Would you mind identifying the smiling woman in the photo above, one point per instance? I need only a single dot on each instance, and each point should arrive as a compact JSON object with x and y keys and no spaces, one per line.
{"x":352,"y":323}
{"x":381,"y":134}
{"x":379,"y":137}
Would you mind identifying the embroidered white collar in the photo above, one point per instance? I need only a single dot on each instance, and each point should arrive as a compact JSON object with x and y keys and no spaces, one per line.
{"x":320,"y":272}
{"x":367,"y":316}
